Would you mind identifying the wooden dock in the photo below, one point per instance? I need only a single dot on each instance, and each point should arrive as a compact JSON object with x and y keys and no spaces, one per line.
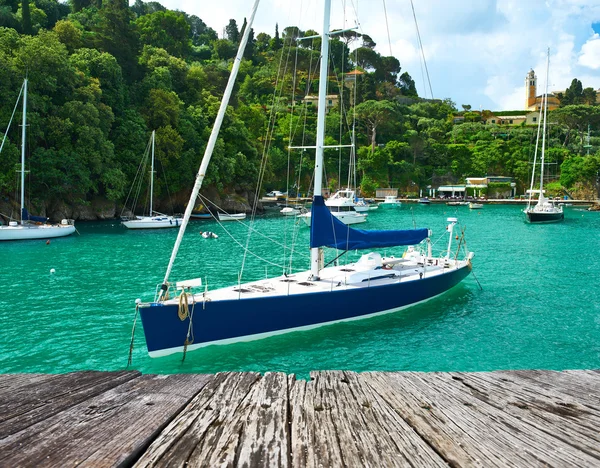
{"x":508,"y":418}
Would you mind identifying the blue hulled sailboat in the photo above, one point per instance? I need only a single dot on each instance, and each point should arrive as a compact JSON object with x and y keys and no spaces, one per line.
{"x":185,"y":316}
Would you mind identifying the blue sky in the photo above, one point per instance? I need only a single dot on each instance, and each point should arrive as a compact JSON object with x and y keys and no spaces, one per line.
{"x":477,"y":51}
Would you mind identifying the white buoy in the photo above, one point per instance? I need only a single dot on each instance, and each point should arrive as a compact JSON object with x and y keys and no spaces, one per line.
{"x":52,"y":271}
{"x":138,"y":301}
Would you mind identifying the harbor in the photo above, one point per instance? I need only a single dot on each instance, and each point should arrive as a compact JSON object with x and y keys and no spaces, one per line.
{"x":337,"y":418}
{"x":507,"y":324}
{"x":272,"y":202}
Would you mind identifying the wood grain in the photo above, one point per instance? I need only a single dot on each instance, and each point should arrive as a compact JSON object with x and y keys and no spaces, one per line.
{"x":337,"y":418}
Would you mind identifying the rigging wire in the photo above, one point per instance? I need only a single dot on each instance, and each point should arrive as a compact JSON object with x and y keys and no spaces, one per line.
{"x":248,"y":226}
{"x":12,"y":116}
{"x":421,"y":47}
{"x":387,"y":27}
{"x":266,"y":148}
{"x":137,"y":181}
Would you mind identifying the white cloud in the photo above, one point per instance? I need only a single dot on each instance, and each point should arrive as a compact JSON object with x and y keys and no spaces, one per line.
{"x":590,"y":53}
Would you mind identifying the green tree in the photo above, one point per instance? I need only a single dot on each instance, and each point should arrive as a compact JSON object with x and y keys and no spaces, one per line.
{"x":589,"y":97}
{"x":200,"y":33}
{"x":232,"y":31}
{"x":116,"y":34}
{"x":276,"y":42}
{"x":407,"y":85}
{"x":26,"y":17}
{"x":168,"y":30}
{"x":162,"y":109}
{"x":373,"y":114}
{"x":573,"y":94}
{"x":69,"y":34}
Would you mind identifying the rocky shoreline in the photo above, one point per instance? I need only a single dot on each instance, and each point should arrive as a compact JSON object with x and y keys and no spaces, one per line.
{"x":236,"y":200}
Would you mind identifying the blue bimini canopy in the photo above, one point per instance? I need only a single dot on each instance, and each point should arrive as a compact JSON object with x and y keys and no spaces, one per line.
{"x":328,"y":231}
{"x":25,"y":216}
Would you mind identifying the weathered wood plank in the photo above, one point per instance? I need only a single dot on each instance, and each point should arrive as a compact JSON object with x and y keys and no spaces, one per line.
{"x":516,"y":418}
{"x":198,"y":428}
{"x":107,"y":429}
{"x":264,"y":434}
{"x":556,"y":413}
{"x":13,"y":382}
{"x":338,"y":421}
{"x":379,"y":436}
{"x":583,"y":385}
{"x":31,"y":401}
{"x":486,"y":432}
{"x":444,"y":435}
{"x":314,"y":440}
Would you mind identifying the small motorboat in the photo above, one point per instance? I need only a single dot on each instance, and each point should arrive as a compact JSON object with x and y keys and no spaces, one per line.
{"x":200,"y":216}
{"x":289,"y":211}
{"x":390,"y":201}
{"x":475,"y":206}
{"x":231,"y":216}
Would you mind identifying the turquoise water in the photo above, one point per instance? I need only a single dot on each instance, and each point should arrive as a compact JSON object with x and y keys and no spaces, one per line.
{"x":539,"y":306}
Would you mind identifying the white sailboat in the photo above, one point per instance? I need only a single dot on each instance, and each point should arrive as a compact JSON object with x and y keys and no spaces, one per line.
{"x":31,"y":227}
{"x":545,"y":210}
{"x":153,"y":220}
{"x":187,"y":315}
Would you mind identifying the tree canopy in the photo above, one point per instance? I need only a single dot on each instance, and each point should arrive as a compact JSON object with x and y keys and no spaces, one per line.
{"x":104,"y":74}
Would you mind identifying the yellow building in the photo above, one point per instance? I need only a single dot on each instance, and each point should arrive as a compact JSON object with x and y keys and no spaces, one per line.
{"x":533,"y":102}
{"x":331,"y":101}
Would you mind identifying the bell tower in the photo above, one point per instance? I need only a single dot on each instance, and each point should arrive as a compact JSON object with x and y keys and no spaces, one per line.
{"x":530,"y":89}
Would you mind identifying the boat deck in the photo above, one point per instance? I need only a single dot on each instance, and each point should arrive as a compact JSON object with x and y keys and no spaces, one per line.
{"x":388,"y":271}
{"x":506,"y":418}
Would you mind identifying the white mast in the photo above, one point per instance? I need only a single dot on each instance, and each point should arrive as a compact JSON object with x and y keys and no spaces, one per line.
{"x":315,"y":252}
{"x":152,"y":174}
{"x":23,"y":135}
{"x":209,"y":148}
{"x":541,"y":198}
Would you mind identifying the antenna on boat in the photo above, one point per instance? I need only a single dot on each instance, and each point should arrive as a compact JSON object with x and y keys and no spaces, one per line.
{"x":209,"y":149}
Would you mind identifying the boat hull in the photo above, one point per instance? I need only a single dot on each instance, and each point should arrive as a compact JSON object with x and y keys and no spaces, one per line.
{"x":544,"y":217}
{"x":200,"y":216}
{"x":26,"y":232}
{"x":231,"y":217}
{"x":228,"y":321}
{"x":155,"y":222}
{"x":289,"y":212}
